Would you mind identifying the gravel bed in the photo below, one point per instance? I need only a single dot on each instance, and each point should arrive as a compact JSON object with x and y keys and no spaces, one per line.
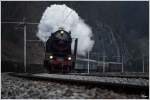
{"x":19,"y":88}
{"x":130,"y":81}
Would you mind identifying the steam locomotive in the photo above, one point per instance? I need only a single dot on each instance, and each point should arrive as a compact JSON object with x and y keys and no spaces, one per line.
{"x":58,"y":56}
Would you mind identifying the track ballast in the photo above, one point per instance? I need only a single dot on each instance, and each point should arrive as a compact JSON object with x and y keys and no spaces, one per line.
{"x":132,"y":85}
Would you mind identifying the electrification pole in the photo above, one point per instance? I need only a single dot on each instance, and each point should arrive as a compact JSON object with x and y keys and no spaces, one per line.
{"x":24,"y":23}
{"x":25,"y":65}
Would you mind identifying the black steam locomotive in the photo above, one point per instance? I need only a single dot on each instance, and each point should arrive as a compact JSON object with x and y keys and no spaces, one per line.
{"x":58,"y":56}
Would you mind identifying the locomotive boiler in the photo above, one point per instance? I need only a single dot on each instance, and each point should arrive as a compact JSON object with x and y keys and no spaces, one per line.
{"x":58,"y":56}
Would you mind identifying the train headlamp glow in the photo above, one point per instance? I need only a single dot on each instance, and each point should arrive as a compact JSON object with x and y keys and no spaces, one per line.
{"x":62,"y":32}
{"x":69,"y":58}
{"x":51,"y":57}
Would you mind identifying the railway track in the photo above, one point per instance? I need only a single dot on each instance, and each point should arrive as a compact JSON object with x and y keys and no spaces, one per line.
{"x":113,"y":75}
{"x":128,"y":85}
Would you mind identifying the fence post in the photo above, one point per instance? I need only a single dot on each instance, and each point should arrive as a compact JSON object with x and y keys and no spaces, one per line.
{"x":122,"y":65}
{"x":98,"y":59}
{"x":88,"y":63}
{"x":143,"y":64}
{"x":103,"y":64}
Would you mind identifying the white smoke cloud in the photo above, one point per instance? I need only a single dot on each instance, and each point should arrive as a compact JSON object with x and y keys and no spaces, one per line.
{"x":57,"y":16}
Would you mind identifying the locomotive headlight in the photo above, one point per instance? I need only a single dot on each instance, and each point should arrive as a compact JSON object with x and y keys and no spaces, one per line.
{"x":51,"y":57}
{"x":69,"y":58}
{"x":62,"y":32}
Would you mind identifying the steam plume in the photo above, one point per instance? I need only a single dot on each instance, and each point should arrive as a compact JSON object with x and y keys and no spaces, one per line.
{"x":57,"y":16}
